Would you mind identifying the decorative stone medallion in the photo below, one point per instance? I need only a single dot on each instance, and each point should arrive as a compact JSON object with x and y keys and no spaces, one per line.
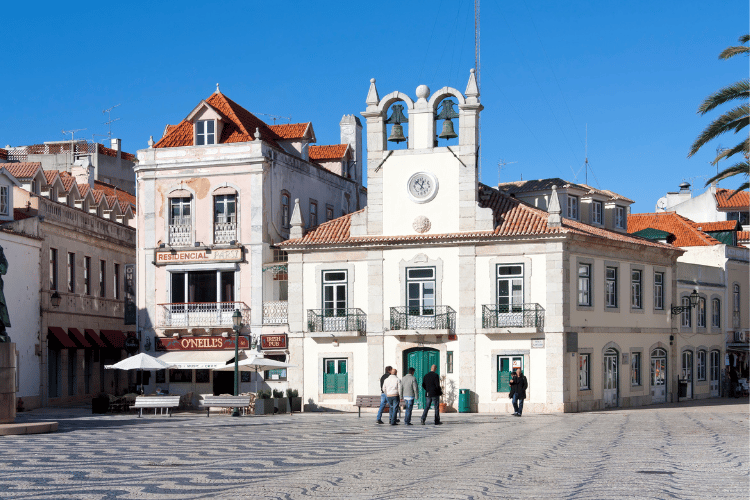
{"x":421,"y":224}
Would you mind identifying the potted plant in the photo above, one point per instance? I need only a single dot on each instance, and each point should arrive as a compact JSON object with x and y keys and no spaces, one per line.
{"x":444,"y":407}
{"x":280,"y":402}
{"x":295,"y":402}
{"x":264,"y":403}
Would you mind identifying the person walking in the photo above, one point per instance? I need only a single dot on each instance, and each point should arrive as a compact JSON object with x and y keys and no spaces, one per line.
{"x":383,"y":399}
{"x":398,"y":408}
{"x":393,"y":390}
{"x":518,"y":386}
{"x":433,"y":391}
{"x":410,"y":392}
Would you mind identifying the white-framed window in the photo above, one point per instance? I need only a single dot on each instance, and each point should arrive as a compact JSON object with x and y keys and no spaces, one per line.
{"x":584,"y":373}
{"x":659,"y":291}
{"x":596,"y":212}
{"x":509,"y":288}
{"x":584,"y":284}
{"x":700,"y":313}
{"x":285,"y":199}
{"x":334,"y":293}
{"x":212,"y":286}
{"x":420,"y":291}
{"x":700,"y":367}
{"x":313,"y":213}
{"x":572,"y":207}
{"x":636,"y":295}
{"x":635,"y":368}
{"x":716,"y":313}
{"x":205,"y":132}
{"x":610,"y":290}
{"x":225,"y":218}
{"x":71,"y":272}
{"x":4,"y":204}
{"x":686,"y":316}
{"x":335,"y":376}
{"x":620,"y":217}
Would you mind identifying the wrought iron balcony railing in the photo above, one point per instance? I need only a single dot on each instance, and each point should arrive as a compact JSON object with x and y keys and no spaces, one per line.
{"x":423,"y":318}
{"x":337,"y":320}
{"x":225,"y":230}
{"x":515,"y":315}
{"x":181,"y":231}
{"x":275,"y":312}
{"x":190,"y":314}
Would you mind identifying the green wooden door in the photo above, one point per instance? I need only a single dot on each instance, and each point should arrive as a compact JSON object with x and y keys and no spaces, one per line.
{"x":335,"y":377}
{"x":506,"y":365}
{"x":421,"y":361}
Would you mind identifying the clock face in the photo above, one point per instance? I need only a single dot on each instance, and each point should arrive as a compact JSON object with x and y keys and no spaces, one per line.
{"x":422,"y":187}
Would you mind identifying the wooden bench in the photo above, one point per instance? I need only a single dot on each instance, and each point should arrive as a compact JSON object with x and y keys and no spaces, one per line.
{"x":372,"y":402}
{"x":156,"y":402}
{"x":224,"y":402}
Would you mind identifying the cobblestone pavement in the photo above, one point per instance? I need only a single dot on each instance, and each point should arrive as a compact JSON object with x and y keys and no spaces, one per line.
{"x":698,"y":451}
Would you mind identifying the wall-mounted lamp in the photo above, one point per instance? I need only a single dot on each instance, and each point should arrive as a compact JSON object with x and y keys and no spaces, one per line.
{"x":55,"y":299}
{"x":694,"y":297}
{"x":671,"y":340}
{"x":197,"y":244}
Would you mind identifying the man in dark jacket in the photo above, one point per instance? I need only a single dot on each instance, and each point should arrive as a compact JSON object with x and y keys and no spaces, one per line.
{"x":431,"y":385}
{"x":518,"y":386}
{"x":383,"y":398}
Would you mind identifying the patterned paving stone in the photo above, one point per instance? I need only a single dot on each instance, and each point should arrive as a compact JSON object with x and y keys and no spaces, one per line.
{"x":687,"y":452}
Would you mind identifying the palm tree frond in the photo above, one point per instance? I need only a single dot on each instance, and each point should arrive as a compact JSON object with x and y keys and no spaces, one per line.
{"x":740,"y":168}
{"x":738,"y":90}
{"x":735,"y":119}
{"x":743,"y":147}
{"x":736,"y":50}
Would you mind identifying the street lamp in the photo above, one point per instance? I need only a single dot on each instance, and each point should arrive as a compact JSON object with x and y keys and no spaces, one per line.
{"x":236,"y":325}
{"x":694,"y":297}
{"x":55,"y":299}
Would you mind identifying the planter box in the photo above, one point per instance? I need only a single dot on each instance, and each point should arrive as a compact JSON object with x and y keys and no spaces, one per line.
{"x":295,"y":404}
{"x":100,"y":405}
{"x":281,"y":404}
{"x":264,"y":406}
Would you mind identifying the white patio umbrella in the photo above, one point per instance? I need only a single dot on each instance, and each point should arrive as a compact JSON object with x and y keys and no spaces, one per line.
{"x":255,"y":363}
{"x":141,"y":362}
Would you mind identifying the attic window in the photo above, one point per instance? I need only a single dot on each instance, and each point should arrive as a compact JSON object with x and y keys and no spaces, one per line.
{"x":4,"y":200}
{"x":205,"y":132}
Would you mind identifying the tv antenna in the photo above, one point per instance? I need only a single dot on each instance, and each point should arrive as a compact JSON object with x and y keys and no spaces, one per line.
{"x":276,"y":117}
{"x":110,"y":121}
{"x":500,"y":166}
{"x":72,"y":133}
{"x":477,"y":67}
{"x":586,"y":154}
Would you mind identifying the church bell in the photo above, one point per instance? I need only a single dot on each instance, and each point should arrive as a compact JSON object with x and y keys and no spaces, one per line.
{"x":396,"y":119}
{"x":448,"y":132}
{"x":447,"y":113}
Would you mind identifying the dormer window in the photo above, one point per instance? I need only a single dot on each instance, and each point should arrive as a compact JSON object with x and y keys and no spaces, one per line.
{"x":620,"y":217}
{"x":205,"y":132}
{"x":572,"y":207}
{"x":596,"y":212}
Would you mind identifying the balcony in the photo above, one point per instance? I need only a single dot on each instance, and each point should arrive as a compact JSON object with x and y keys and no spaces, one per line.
{"x":225,"y":230}
{"x":192,"y":314}
{"x":275,"y":312}
{"x":336,"y":320}
{"x":423,"y":318}
{"x":513,"y":316}
{"x":181,"y":231}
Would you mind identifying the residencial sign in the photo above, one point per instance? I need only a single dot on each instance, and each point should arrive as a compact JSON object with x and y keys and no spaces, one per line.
{"x":199,"y":343}
{"x":164,"y":257}
{"x":273,"y":341}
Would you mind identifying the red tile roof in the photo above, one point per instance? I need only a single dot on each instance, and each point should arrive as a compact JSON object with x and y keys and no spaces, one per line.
{"x":289,"y":131}
{"x":335,"y":152}
{"x":546,"y":184}
{"x":68,"y":180}
{"x":685,"y":232}
{"x":743,"y":236}
{"x":239,"y":126}
{"x":83,"y":189}
{"x":23,"y":170}
{"x":110,"y":190}
{"x":724,"y":199}
{"x":50,"y":176}
{"x":724,"y":225}
{"x":98,"y":195}
{"x":513,"y":218}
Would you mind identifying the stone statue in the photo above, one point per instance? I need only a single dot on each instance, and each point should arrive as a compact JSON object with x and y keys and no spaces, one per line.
{"x":4,"y":318}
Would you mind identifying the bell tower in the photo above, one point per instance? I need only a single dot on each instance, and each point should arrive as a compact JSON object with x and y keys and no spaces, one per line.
{"x":430,"y":186}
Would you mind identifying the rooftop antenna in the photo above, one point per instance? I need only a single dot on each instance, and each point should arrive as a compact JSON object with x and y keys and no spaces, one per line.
{"x":500,"y":166}
{"x":110,"y":121}
{"x":477,"y":67}
{"x":72,"y":141}
{"x":586,"y":154}
{"x":276,"y":117}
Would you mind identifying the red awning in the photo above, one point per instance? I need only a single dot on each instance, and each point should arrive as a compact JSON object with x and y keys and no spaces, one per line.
{"x":115,"y":338}
{"x":94,"y":338}
{"x":61,"y":337}
{"x":78,"y":337}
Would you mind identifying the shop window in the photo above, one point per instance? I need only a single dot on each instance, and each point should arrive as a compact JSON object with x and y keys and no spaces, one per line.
{"x":584,"y":285}
{"x":202,"y":376}
{"x":275,"y":375}
{"x":54,"y":372}
{"x":700,"y":313}
{"x":161,"y":376}
{"x":146,"y":375}
{"x":584,"y":373}
{"x":659,"y":291}
{"x":506,"y":365}
{"x":635,"y":290}
{"x":610,"y":291}
{"x":716,"y":313}
{"x":72,"y":372}
{"x":245,"y":376}
{"x":178,"y":375}
{"x":335,"y":376}
{"x":596,"y":212}
{"x":449,"y":362}
{"x":700,"y":366}
{"x":635,"y":368}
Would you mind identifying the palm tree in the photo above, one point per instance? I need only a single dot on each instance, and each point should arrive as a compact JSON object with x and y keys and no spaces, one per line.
{"x":733,"y":120}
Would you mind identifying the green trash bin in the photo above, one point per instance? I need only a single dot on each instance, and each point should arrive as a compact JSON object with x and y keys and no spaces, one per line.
{"x":464,"y":401}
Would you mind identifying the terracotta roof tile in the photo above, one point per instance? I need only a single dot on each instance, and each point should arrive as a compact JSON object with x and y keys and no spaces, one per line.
{"x":98,"y":195}
{"x":51,"y":175}
{"x":546,"y":184}
{"x":513,"y":217}
{"x":724,"y":225}
{"x":743,"y":236}
{"x":110,"y":190}
{"x":23,"y":170}
{"x":83,"y":189}
{"x":68,"y":180}
{"x":724,"y":199}
{"x":334,"y":152}
{"x":685,"y":233}
{"x":289,"y":131}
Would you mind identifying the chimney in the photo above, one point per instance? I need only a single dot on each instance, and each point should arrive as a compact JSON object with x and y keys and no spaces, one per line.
{"x":115,"y":144}
{"x":553,"y":220}
{"x":83,"y":171}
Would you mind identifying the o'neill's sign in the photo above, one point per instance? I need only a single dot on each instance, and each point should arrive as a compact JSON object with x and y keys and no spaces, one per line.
{"x":199,"y":255}
{"x":199,"y":343}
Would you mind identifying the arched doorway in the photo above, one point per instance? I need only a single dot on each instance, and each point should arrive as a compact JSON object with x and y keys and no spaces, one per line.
{"x":658,"y":375}
{"x":611,"y":376}
{"x":421,"y":359}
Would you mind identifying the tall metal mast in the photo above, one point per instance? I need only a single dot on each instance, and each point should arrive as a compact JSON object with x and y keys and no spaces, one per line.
{"x":477,"y":67}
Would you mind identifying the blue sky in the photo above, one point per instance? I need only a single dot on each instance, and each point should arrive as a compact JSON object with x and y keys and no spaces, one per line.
{"x":633,"y":72}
